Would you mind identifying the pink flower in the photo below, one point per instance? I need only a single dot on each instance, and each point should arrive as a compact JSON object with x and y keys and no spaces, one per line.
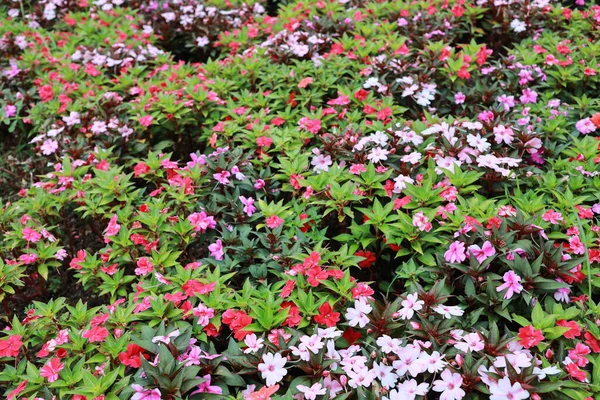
{"x":202,"y":221}
{"x":146,"y":120}
{"x":10,"y":110}
{"x":259,"y":184}
{"x":144,"y":266}
{"x":274,"y":221}
{"x":96,"y":334}
{"x":51,"y":369}
{"x":222,"y":177}
{"x":216,"y":250}
{"x":504,"y":389}
{"x":421,"y":222}
{"x":529,"y":96}
{"x":311,"y":393}
{"x":248,"y":203}
{"x":552,"y":216}
{"x":28,"y":258}
{"x":264,"y":141}
{"x":449,"y":386}
{"x":205,"y":387}
{"x":145,"y":394}
{"x":49,"y":147}
{"x":204,"y":314}
{"x":31,"y":235}
{"x":481,"y":253}
{"x":311,"y":125}
{"x":357,"y":169}
{"x":456,"y":253}
{"x":459,"y":98}
{"x":512,"y":282}
{"x":113,"y":227}
{"x":576,"y":245}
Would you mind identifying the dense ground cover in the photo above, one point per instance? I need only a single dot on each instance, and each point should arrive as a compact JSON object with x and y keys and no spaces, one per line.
{"x":299,"y":200}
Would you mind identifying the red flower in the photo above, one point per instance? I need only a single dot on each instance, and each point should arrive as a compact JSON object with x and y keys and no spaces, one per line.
{"x":315,"y":275}
{"x":369,"y":258}
{"x":572,"y":333}
{"x":46,"y":93}
{"x":530,"y":337}
{"x":576,"y":372}
{"x":237,"y":320}
{"x":351,"y":336}
{"x":132,"y":357}
{"x":327,"y":316}
{"x":96,"y":334}
{"x":10,"y":347}
{"x":591,"y":341}
{"x":13,"y":394}
{"x":294,"y":318}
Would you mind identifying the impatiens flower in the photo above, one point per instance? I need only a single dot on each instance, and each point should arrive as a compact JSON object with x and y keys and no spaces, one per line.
{"x":263,"y":394}
{"x":573,"y":332}
{"x":49,"y":147}
{"x":10,"y":347}
{"x":31,"y":235}
{"x":512,"y":284}
{"x":327,"y":316}
{"x":202,"y":221}
{"x":471,"y":342}
{"x":552,"y":216}
{"x":449,"y":386}
{"x":204,"y":314}
{"x":146,"y":120}
{"x":410,"y":305}
{"x":51,"y":369}
{"x":12,"y":395}
{"x":96,"y":334}
{"x":456,"y":253}
{"x":216,"y":250}
{"x":248,"y":203}
{"x":274,"y":221}
{"x":585,"y":126}
{"x":321,"y":162}
{"x":421,"y":222}
{"x":459,"y":98}
{"x":448,"y":311}
{"x":253,"y":343}
{"x":132,"y":357}
{"x":369,"y":258}
{"x":504,"y":389}
{"x":311,"y":393}
{"x":530,"y":337}
{"x":145,"y":394}
{"x":144,"y":267}
{"x":483,"y":252}
{"x":205,"y":387}
{"x":272,"y":368}
{"x":358,"y":314}
{"x":113,"y":227}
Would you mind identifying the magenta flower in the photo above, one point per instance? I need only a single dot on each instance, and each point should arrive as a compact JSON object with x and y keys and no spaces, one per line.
{"x":202,"y":221}
{"x":481,"y":253}
{"x":29,"y":258}
{"x":456,"y":253}
{"x":222,"y":177}
{"x":512,"y":284}
{"x":31,"y":235}
{"x":145,"y":394}
{"x":274,"y":221}
{"x":216,"y":250}
{"x":248,"y":203}
{"x":113,"y":227}
{"x":146,"y":120}
{"x":51,"y":369}
{"x":205,"y":387}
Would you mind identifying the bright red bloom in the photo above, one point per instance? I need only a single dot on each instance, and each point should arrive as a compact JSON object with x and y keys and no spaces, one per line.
{"x":327,"y":316}
{"x":132,"y":357}
{"x":591,"y":341}
{"x":315,"y":275}
{"x":10,"y":347}
{"x":237,"y":320}
{"x":572,"y":333}
{"x":294,"y":318}
{"x":351,"y":336}
{"x":369,"y":258}
{"x":530,"y":337}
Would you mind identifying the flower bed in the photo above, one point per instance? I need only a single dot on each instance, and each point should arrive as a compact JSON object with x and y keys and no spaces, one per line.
{"x":300,"y":199}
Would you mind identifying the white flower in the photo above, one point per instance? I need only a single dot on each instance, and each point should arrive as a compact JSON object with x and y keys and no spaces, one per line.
{"x":378,"y":154}
{"x":272,"y":368}
{"x":410,"y":305}
{"x":448,"y":311}
{"x":477,"y":142}
{"x":371,"y":82}
{"x":518,"y":26}
{"x":321,"y":163}
{"x":385,"y":375}
{"x":358,"y":314}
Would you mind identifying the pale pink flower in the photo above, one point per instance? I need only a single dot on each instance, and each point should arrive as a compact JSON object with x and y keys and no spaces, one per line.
{"x":272,"y":368}
{"x":145,"y":394}
{"x":504,"y":389}
{"x":456,"y":253}
{"x":204,"y":314}
{"x":49,"y":147}
{"x":311,"y":393}
{"x":410,"y":305}
{"x":253,"y":343}
{"x":449,"y":386}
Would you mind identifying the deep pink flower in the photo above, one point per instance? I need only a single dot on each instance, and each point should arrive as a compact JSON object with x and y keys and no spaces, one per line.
{"x":483,"y":252}
{"x":51,"y":369}
{"x":216,"y":250}
{"x":146,"y":120}
{"x":512,"y":282}
{"x":274,"y":221}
